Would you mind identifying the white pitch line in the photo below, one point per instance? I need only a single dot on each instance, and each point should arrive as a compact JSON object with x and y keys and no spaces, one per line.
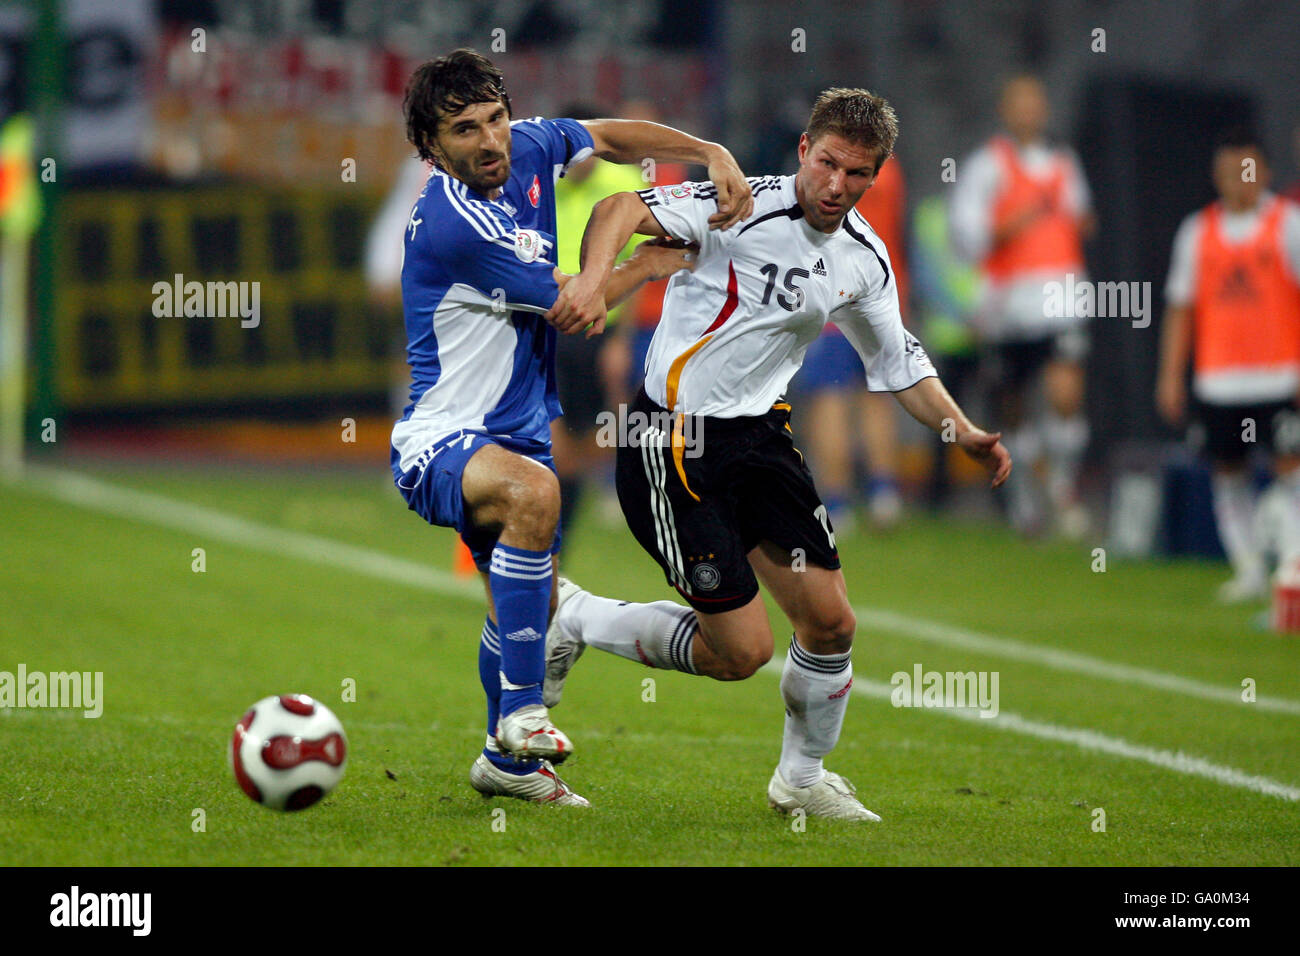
{"x":156,"y":509}
{"x":92,"y":493}
{"x":1085,"y":739}
{"x":946,"y":634}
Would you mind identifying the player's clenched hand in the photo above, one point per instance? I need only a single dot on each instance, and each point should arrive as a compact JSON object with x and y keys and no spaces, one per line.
{"x":663,"y":257}
{"x":581,"y":303}
{"x":988,"y":450}
{"x":735,"y":198}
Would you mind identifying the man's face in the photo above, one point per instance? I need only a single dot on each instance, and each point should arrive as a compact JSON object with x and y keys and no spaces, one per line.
{"x":1239,"y":184}
{"x":833,"y":175}
{"x":1024,"y":108}
{"x":474,"y":145}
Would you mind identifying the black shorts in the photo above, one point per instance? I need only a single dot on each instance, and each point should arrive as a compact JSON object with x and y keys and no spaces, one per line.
{"x":578,"y":382}
{"x":700,"y":502}
{"x":1227,"y":434}
{"x":1017,"y":363}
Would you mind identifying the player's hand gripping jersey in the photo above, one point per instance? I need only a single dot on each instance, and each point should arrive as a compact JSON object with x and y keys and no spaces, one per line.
{"x":735,"y":330}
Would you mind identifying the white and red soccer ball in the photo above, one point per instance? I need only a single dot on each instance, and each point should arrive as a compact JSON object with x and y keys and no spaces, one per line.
{"x":288,"y":752}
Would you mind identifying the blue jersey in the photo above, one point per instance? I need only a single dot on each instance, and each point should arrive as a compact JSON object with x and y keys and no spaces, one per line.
{"x":477,"y":276}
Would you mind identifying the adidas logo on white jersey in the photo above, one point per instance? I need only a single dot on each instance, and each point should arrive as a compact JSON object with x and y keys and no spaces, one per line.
{"x":819,"y":268}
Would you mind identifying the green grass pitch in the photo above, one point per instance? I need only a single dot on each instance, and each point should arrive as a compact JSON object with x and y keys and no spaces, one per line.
{"x":677,"y":780}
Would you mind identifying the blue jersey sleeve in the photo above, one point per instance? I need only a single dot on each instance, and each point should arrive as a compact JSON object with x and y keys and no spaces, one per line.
{"x":480,"y":246}
{"x":564,"y":142}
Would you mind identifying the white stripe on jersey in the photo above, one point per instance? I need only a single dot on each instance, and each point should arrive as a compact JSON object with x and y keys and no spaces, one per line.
{"x":475,"y":207}
{"x":474,"y":217}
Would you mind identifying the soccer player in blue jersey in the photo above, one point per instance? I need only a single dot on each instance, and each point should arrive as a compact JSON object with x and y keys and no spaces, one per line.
{"x":472,"y":450}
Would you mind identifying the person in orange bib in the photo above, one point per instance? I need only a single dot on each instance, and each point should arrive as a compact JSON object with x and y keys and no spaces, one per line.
{"x":1233,"y":311}
{"x":1020,"y":209}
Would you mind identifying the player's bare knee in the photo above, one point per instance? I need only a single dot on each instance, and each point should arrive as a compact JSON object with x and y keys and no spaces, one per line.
{"x":750,"y":658}
{"x":830,"y":632}
{"x":531,"y":506}
{"x":743,"y":664}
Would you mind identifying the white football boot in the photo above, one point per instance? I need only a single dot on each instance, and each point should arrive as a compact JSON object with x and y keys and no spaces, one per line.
{"x":832,"y":796}
{"x":528,"y":732}
{"x":543,"y":785}
{"x":562,"y":649}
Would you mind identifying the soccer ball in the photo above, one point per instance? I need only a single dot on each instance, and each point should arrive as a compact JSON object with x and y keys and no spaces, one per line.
{"x":288,"y":752}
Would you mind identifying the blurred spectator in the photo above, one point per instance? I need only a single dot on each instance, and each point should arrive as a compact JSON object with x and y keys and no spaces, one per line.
{"x":591,"y":373}
{"x":946,"y":293}
{"x":1021,"y":209}
{"x":384,"y":265}
{"x":1293,"y":193}
{"x":1233,"y":310}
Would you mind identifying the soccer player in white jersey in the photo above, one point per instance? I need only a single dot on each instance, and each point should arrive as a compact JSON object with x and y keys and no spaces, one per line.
{"x":472,"y":450}
{"x":712,"y":485}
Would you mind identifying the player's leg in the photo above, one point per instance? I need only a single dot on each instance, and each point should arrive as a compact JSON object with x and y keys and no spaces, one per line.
{"x":818,"y":670}
{"x":830,"y":430}
{"x":515,"y":499}
{"x":829,"y":378}
{"x":795,"y":558}
{"x":1014,"y":371}
{"x":728,"y":646}
{"x":1284,"y":444}
{"x":573,"y":437}
{"x":1225,"y":426}
{"x":434,"y":489}
{"x":495,"y":773}
{"x":1065,"y":429}
{"x":878,"y":413}
{"x":679,"y":520}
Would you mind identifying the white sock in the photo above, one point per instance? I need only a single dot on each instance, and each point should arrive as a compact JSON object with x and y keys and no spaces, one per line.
{"x":660,"y":634}
{"x":1025,"y":446}
{"x":1288,"y":530}
{"x":1234,"y":513}
{"x":1064,"y":441}
{"x":816,"y":692}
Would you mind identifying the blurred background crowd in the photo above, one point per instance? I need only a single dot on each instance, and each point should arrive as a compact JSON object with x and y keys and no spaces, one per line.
{"x":1039,"y":213}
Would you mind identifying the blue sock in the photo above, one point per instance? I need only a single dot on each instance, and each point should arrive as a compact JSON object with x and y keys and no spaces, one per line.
{"x":521,"y":590}
{"x":836,"y":504}
{"x":878,"y":484}
{"x":489,"y":674}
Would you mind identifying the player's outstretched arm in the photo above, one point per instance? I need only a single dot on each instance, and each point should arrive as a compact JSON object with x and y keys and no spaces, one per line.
{"x":929,"y":403}
{"x":653,"y":259}
{"x":633,"y":141}
{"x":581,"y":303}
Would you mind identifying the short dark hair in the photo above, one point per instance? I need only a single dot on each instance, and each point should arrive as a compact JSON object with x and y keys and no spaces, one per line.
{"x":1240,"y":137}
{"x":448,"y":85}
{"x":859,"y":116}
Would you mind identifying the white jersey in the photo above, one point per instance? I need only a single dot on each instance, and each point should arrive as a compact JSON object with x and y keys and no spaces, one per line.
{"x":735,"y":330}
